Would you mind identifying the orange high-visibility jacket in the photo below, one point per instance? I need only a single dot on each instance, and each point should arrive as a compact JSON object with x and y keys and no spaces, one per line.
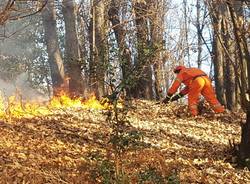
{"x":185,"y":76}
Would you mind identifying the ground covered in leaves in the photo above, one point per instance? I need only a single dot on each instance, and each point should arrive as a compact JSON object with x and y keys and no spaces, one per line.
{"x":163,"y":145}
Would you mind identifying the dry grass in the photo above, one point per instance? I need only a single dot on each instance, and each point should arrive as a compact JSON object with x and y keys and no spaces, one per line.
{"x":56,"y":148}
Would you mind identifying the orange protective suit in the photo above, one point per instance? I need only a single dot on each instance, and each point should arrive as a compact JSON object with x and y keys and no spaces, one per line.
{"x":197,"y":82}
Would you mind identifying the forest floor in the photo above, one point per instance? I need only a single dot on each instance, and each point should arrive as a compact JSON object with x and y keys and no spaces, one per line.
{"x":73,"y":146}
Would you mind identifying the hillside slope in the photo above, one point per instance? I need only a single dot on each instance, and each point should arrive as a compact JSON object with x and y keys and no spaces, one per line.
{"x":73,"y":146}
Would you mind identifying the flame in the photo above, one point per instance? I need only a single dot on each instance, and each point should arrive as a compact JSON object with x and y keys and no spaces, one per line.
{"x":14,"y":107}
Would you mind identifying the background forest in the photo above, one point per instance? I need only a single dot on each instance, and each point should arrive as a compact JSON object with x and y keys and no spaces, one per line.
{"x":132,"y":46}
{"x":125,"y":48}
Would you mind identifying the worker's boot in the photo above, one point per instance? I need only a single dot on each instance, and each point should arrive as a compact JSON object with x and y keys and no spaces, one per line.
{"x":193,"y":110}
{"x":218,"y":108}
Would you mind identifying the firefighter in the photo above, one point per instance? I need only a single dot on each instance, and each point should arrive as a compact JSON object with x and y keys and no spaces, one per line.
{"x":197,"y":82}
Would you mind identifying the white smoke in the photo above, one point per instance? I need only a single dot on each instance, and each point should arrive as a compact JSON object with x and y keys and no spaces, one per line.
{"x":21,"y":89}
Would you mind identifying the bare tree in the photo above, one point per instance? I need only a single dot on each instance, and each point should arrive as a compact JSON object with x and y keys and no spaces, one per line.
{"x":241,"y":36}
{"x":120,"y":34}
{"x":143,"y":88}
{"x":72,"y":53}
{"x":98,"y":42}
{"x":17,"y":9}
{"x":230,"y":64}
{"x":51,"y":39}
{"x":201,"y":21}
{"x":158,"y":11}
{"x":218,"y":10}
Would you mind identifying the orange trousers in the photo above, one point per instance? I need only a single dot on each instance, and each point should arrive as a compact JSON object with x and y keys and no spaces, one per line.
{"x":202,"y":85}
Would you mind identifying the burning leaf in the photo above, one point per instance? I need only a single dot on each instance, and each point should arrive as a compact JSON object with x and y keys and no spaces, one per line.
{"x":15,"y":107}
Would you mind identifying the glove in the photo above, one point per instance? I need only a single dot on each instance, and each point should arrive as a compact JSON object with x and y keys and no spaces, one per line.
{"x":176,"y":97}
{"x":167,"y":99}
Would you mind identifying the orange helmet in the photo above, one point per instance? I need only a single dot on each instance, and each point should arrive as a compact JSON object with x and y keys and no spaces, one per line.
{"x":179,"y":68}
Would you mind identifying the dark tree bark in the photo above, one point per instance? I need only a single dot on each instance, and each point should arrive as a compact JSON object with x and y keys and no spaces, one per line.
{"x":230,"y":86}
{"x":245,"y":138}
{"x":218,"y":54}
{"x":120,"y":34}
{"x":72,"y":53}
{"x":218,"y":70}
{"x":156,"y":34}
{"x":144,"y":85}
{"x":54,"y":55}
{"x":235,"y":9}
{"x":199,"y":33}
{"x":229,"y":73}
{"x":98,"y":43}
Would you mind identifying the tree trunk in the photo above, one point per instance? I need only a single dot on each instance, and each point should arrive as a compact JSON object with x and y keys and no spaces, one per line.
{"x":144,"y":85}
{"x":72,"y":52}
{"x":199,"y":33}
{"x":186,"y":17}
{"x":230,"y":86}
{"x":156,"y":34}
{"x":242,"y":48}
{"x":54,"y":55}
{"x":229,"y":73}
{"x":218,"y":54}
{"x":245,"y":138}
{"x":120,"y":33}
{"x":240,"y":33}
{"x":98,"y":39}
{"x":218,"y":70}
